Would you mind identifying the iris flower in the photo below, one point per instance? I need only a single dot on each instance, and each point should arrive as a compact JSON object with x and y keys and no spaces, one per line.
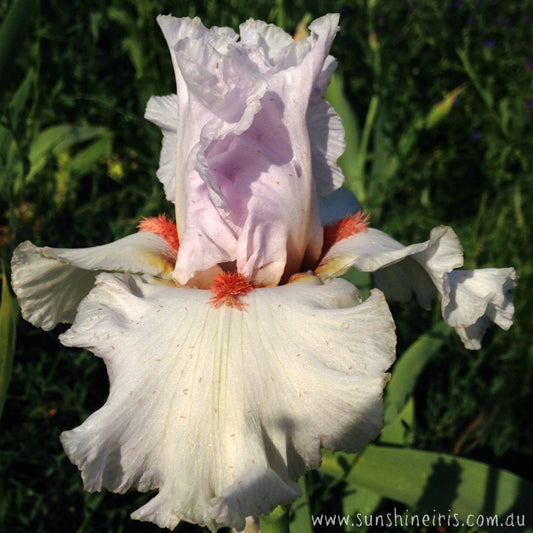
{"x":234,"y":351}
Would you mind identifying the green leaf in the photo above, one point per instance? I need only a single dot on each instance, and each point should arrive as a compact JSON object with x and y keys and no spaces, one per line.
{"x":301,"y":512}
{"x":385,"y":160}
{"x":362,"y":280}
{"x":8,"y":322}
{"x":400,"y":431}
{"x":84,"y":161}
{"x":485,"y":94}
{"x":57,"y":139}
{"x":441,"y":109}
{"x":17,"y":106}
{"x":6,"y":141}
{"x":12,"y":34}
{"x":359,"y":500}
{"x":136,"y":53}
{"x":121,"y":17}
{"x":437,"y":482}
{"x":357,"y":182}
{"x":277,"y":521}
{"x":407,"y":369}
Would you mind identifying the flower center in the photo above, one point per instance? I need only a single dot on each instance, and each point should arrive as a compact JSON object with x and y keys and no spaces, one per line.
{"x":228,"y":287}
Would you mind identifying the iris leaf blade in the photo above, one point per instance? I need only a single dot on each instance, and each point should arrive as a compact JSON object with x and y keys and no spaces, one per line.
{"x":438,"y":482}
{"x":8,"y":322}
{"x":408,"y":368}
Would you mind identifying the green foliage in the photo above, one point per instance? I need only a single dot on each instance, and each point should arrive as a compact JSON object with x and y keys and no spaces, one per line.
{"x":12,"y":34}
{"x":436,"y":483}
{"x":277,"y":521}
{"x":436,"y":98}
{"x":8,"y":322}
{"x":408,"y":369}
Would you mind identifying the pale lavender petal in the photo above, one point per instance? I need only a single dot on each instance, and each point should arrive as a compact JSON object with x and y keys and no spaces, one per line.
{"x":326,"y":135}
{"x":245,"y":153}
{"x":163,"y":111}
{"x":220,"y":409}
{"x":213,"y":87}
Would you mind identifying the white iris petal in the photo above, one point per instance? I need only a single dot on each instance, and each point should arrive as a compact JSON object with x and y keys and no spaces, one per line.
{"x":221,"y":409}
{"x":163,"y":111}
{"x":249,"y":146}
{"x":471,"y":299}
{"x":374,"y":250}
{"x":51,"y":282}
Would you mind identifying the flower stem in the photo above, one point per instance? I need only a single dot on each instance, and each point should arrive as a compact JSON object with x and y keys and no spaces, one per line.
{"x":277,"y":521}
{"x":280,"y":14}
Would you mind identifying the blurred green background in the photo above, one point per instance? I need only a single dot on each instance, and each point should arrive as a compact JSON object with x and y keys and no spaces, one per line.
{"x":437,"y":101}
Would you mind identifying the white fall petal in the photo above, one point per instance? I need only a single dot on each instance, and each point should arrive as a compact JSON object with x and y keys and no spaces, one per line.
{"x":51,"y":282}
{"x":474,"y":298}
{"x":470,"y":299}
{"x":400,"y":270}
{"x":221,"y":409}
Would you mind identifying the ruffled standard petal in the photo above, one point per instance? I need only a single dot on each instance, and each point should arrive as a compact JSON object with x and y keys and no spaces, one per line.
{"x":223,"y":409}
{"x":244,"y":151}
{"x":278,"y":55}
{"x":163,"y":111}
{"x":400,"y":270}
{"x":272,"y":50}
{"x":215,"y":89}
{"x":51,"y":282}
{"x":326,"y":135}
{"x":472,"y":299}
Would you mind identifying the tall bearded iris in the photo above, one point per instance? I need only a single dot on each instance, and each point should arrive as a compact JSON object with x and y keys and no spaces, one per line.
{"x":234,"y":352}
